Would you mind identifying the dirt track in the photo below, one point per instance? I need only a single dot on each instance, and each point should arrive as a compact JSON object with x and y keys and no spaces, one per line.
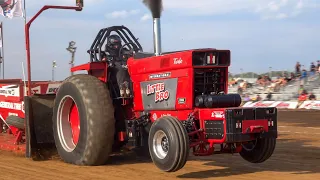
{"x":297,"y":156}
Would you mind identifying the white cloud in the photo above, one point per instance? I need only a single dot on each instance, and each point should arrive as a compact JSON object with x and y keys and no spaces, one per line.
{"x":122,"y":14}
{"x":276,"y":16}
{"x":118,"y":14}
{"x":300,"y":5}
{"x":136,"y":11}
{"x":275,"y":6}
{"x":281,"y":16}
{"x":266,"y":9}
{"x":145,"y":17}
{"x":280,"y":9}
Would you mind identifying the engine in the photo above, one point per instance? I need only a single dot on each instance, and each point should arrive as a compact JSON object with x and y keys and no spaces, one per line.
{"x":211,"y":80}
{"x":182,"y":80}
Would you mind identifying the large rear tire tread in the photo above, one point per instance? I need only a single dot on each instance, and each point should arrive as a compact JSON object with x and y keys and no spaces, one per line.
{"x":261,"y":152}
{"x":178,"y":144}
{"x":184,"y":142}
{"x":96,"y":114}
{"x":15,"y":121}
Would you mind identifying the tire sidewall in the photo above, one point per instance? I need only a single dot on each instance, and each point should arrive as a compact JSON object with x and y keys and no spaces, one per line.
{"x":15,"y":121}
{"x":262,"y":151}
{"x":70,"y":89}
{"x":172,"y":136}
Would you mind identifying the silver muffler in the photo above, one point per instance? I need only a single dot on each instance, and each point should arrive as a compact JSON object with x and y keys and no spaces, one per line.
{"x":157,"y":36}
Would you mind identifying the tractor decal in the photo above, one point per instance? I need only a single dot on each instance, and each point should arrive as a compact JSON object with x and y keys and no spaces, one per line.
{"x":160,"y":75}
{"x":159,"y":94}
{"x":218,"y":114}
{"x":177,"y":61}
{"x":159,"y":91}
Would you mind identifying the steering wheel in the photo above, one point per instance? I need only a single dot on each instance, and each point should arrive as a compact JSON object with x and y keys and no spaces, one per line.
{"x":134,"y":49}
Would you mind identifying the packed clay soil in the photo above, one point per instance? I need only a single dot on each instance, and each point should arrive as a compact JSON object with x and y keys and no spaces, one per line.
{"x":297,"y":156}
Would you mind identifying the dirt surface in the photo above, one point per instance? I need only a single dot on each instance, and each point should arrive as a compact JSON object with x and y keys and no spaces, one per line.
{"x":297,"y":156}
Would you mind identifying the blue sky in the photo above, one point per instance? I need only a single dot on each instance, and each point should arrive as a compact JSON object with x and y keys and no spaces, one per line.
{"x":259,"y":33}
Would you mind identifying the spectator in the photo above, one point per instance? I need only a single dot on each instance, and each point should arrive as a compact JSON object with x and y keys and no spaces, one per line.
{"x":301,"y":89}
{"x":232,"y":82}
{"x":258,"y":98}
{"x":313,"y":69}
{"x":246,"y":97}
{"x":304,"y":92}
{"x":298,"y":66}
{"x":267,"y":78}
{"x":288,"y":79}
{"x":260,"y":81}
{"x":304,"y":77}
{"x":243,"y":85}
{"x":303,"y":97}
{"x":269,"y":96}
{"x":240,"y":90}
{"x":312,"y":97}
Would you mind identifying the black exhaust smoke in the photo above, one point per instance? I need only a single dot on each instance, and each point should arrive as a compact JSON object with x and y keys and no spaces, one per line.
{"x":156,"y":8}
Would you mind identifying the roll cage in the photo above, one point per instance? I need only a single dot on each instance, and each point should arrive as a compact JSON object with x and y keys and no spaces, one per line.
{"x":125,"y":34}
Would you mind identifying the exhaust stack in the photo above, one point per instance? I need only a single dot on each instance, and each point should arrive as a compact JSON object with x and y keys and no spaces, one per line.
{"x":155,"y":6}
{"x":157,"y":36}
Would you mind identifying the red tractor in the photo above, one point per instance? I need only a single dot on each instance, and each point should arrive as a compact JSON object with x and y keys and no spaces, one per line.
{"x":172,"y":102}
{"x":159,"y":104}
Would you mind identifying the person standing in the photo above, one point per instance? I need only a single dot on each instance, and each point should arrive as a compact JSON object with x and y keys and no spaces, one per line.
{"x":304,"y":77}
{"x":313,"y":69}
{"x":298,"y":66}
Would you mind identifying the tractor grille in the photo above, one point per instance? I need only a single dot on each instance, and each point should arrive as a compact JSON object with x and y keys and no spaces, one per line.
{"x":210,"y":81}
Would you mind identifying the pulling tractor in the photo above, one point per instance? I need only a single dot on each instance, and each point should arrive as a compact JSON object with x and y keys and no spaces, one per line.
{"x":174,"y":104}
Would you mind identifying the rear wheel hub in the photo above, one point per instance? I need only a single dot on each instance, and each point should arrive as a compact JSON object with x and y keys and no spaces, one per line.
{"x":68,"y":123}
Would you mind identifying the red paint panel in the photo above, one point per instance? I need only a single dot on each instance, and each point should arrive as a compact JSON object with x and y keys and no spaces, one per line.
{"x":185,"y":90}
{"x":217,"y":114}
{"x":89,"y":66}
{"x":254,"y":126}
{"x":181,"y":115}
{"x":212,"y":114}
{"x":137,"y":96}
{"x":174,"y":61}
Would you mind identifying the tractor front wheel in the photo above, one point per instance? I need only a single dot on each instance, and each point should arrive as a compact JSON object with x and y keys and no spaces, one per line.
{"x":259,"y":150}
{"x":168,"y":144}
{"x":83,"y":121}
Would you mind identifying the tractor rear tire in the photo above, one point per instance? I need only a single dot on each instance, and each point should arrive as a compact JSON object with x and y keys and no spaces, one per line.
{"x":259,"y":151}
{"x":168,"y":144}
{"x":83,"y":121}
{"x":15,"y":121}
